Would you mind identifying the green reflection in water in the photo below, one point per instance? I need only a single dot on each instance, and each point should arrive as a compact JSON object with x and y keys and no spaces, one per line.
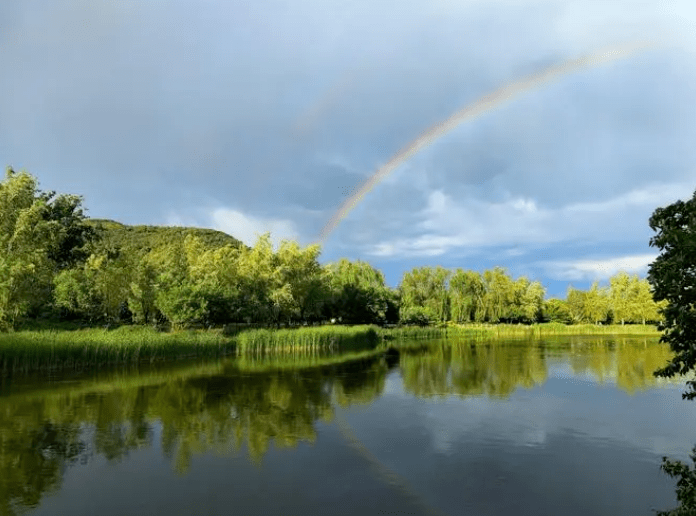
{"x":227,"y":406}
{"x":497,"y":369}
{"x":219,"y":407}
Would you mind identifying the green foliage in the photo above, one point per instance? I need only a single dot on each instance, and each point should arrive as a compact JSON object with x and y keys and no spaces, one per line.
{"x":426,"y":288}
{"x":357,"y":293}
{"x":39,"y":350}
{"x":466,"y":291}
{"x":266,"y":341}
{"x":25,"y":270}
{"x":686,"y":485}
{"x":557,"y":311}
{"x":417,"y":315}
{"x":143,"y":239}
{"x":70,"y":232}
{"x":673,"y":278}
{"x":182,"y":304}
{"x":597,"y":304}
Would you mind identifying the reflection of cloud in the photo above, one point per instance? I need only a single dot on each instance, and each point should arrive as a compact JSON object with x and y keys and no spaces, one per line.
{"x":450,"y":224}
{"x":600,"y":269}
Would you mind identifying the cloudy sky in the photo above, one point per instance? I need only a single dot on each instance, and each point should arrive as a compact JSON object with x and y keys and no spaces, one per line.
{"x":265,"y":116}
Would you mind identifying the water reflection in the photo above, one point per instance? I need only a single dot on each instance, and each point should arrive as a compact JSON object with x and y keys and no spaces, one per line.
{"x":232,"y":406}
{"x":497,"y":369}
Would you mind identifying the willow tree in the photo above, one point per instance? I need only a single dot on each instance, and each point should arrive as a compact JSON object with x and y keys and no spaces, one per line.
{"x":357,"y":292}
{"x":597,"y":304}
{"x":467,"y":291}
{"x":426,"y":288}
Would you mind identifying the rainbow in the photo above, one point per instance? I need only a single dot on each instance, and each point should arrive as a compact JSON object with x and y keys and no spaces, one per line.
{"x":474,"y":110}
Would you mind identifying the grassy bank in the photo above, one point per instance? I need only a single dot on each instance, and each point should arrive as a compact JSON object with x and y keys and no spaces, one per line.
{"x":491,"y":331}
{"x":48,"y":349}
{"x":32,"y":350}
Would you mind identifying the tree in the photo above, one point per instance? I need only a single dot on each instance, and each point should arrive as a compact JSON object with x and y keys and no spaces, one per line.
{"x":620,"y":295}
{"x":300,"y":289}
{"x":556,"y":310}
{"x":575,"y":301}
{"x":596,"y":304}
{"x":529,"y":300}
{"x":426,"y":287}
{"x":25,"y":270}
{"x":98,"y":290}
{"x":70,"y":233}
{"x":673,"y":278}
{"x":358,"y":293}
{"x":467,"y":292}
{"x":499,"y":294}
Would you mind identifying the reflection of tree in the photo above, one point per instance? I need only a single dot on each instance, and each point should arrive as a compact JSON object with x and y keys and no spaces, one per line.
{"x":636,"y":361}
{"x":596,"y":356}
{"x":42,"y":433}
{"x":498,"y":369}
{"x":466,"y":369}
{"x":628,"y":361}
{"x":33,"y":457}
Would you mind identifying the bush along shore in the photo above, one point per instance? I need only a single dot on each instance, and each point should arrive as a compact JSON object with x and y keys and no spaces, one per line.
{"x":32,"y":350}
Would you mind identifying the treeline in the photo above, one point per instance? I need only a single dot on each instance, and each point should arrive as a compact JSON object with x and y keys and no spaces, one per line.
{"x":57,"y":264}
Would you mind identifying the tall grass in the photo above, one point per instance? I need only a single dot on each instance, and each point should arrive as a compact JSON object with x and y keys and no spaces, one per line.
{"x":307,"y":340}
{"x":545,"y":329}
{"x":48,"y":349}
{"x":433,"y":332}
{"x":51,"y":349}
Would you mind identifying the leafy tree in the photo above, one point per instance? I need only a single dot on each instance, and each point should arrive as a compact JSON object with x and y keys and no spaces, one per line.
{"x":25,"y":270}
{"x":529,"y":300}
{"x":426,"y":287}
{"x":556,"y":310}
{"x":499,"y":295}
{"x":301,"y":280}
{"x":596,"y":304}
{"x":97,"y":291}
{"x":673,"y":278}
{"x":621,"y":296}
{"x":142,"y":292}
{"x":467,"y":291}
{"x":418,"y":316}
{"x":71,"y":234}
{"x":575,"y":301}
{"x":357,"y":292}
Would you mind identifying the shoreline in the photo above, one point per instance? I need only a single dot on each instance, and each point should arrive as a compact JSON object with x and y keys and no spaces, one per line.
{"x":30,"y":350}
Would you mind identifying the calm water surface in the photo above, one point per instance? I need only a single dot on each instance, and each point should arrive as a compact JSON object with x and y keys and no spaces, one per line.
{"x":569,"y":425}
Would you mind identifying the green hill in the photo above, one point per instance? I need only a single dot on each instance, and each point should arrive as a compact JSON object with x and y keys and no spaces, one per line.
{"x":140,"y":239}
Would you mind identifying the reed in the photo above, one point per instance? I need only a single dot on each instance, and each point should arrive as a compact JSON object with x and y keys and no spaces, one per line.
{"x":306,"y":341}
{"x":546,"y":329}
{"x":48,"y":349}
{"x":435,"y":332}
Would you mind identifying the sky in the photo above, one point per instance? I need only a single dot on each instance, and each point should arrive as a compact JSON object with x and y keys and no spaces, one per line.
{"x":261,"y":116}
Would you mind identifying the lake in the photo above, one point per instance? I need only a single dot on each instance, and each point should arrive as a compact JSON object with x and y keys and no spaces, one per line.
{"x":563,"y":425}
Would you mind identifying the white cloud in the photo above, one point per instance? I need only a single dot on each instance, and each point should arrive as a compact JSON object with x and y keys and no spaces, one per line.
{"x":473,"y":223}
{"x":599,"y":269}
{"x":247,"y":228}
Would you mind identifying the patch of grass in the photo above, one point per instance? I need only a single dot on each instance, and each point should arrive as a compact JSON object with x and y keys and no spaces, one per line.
{"x":307,"y":340}
{"x":48,"y":349}
{"x":538,"y":330}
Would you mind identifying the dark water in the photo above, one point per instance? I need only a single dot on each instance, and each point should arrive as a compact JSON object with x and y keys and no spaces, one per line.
{"x":571,"y":426}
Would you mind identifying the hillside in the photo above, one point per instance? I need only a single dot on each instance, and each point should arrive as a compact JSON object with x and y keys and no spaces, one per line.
{"x":115,"y":235}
